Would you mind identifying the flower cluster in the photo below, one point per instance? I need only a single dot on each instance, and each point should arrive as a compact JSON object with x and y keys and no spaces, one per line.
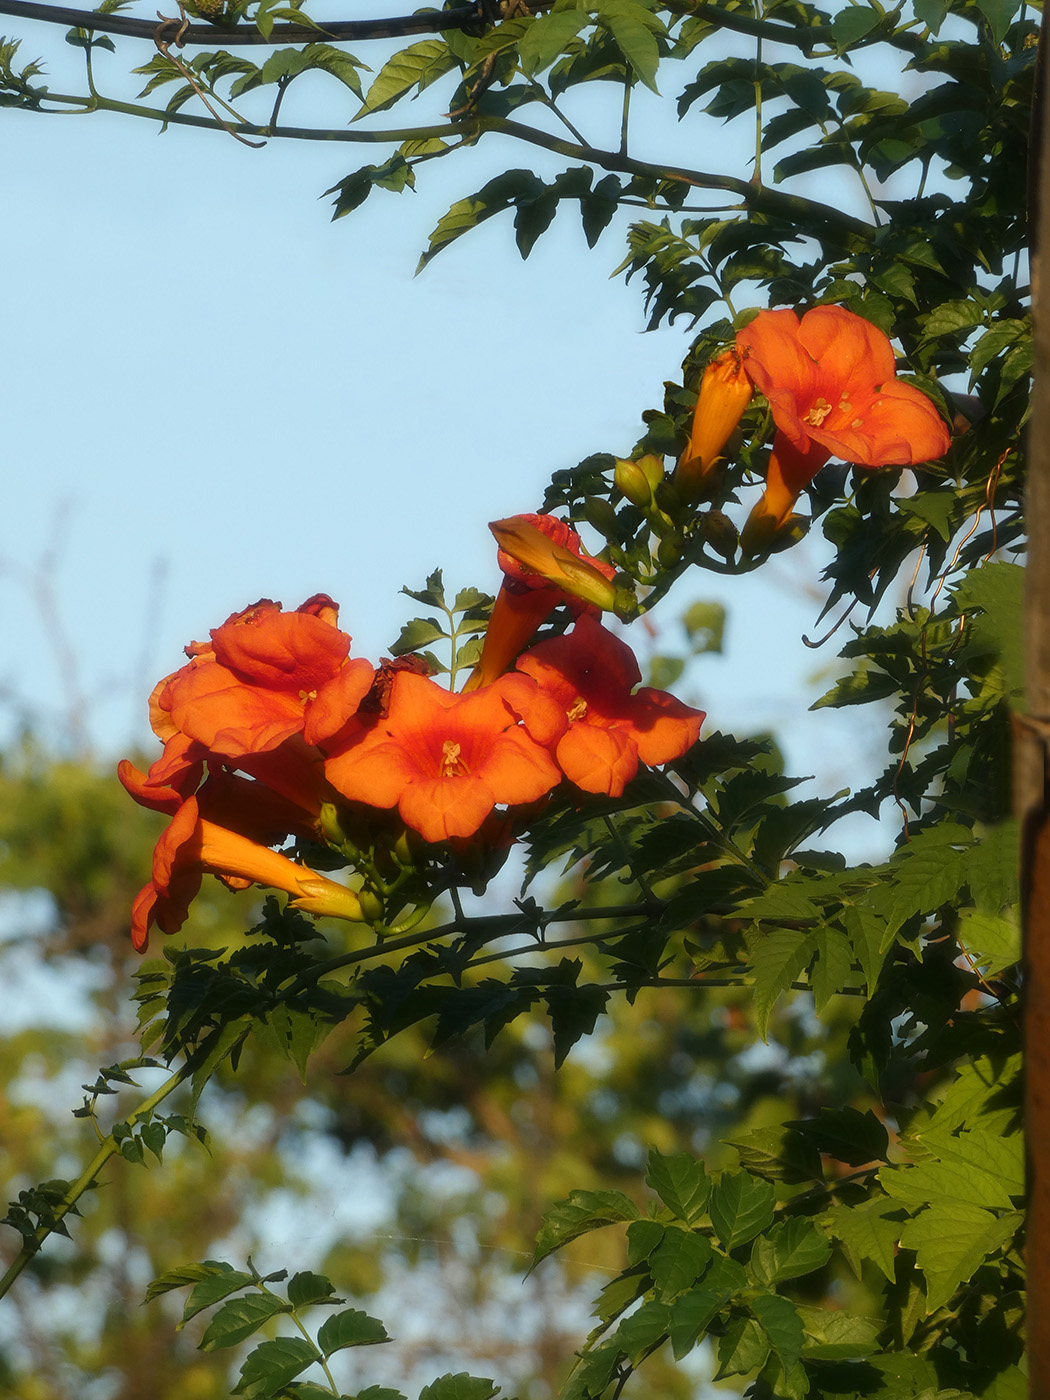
{"x":272,"y":731}
{"x":830,"y":380}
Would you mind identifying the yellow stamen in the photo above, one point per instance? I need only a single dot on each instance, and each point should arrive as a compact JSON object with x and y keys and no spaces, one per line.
{"x":452,"y":766}
{"x":816,"y":415}
{"x":579,"y":709}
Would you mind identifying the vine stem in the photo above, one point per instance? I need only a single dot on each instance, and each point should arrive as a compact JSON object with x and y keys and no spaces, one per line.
{"x":842,"y":229}
{"x":108,"y":1148}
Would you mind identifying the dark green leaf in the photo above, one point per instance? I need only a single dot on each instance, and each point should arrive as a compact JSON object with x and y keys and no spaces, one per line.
{"x":741,"y":1206}
{"x":350,"y":1328}
{"x":681,"y":1183}
{"x":272,"y":1365}
{"x":236,"y":1320}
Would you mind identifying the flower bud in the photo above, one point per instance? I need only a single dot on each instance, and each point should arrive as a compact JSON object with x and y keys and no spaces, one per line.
{"x":725,"y":391}
{"x":540,"y":555}
{"x":631,"y":482}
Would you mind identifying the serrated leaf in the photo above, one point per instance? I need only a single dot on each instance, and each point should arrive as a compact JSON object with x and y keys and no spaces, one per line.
{"x":547,"y":37}
{"x":779,"y":1320}
{"x":832,"y":968}
{"x":503,"y":192}
{"x":417,"y":65}
{"x":777,"y":1154}
{"x":420,"y":632}
{"x":847,"y":1135}
{"x":631,"y":26}
{"x":272,"y":1365}
{"x":993,"y":941}
{"x":188,"y":1273}
{"x":350,"y":1328}
{"x":741,"y":1206}
{"x":642,"y":1330}
{"x":642,"y":1238}
{"x":236,"y":1320}
{"x":691,"y":1315}
{"x":951,"y":1239}
{"x":582,"y":1212}
{"x":213,"y":1289}
{"x":305,"y":1288}
{"x":790,"y":1249}
{"x":777,"y":958}
{"x":679,"y":1259}
{"x":459,"y":1386}
{"x":743,"y":1348}
{"x":832,"y":1335}
{"x":867,"y":1231}
{"x":681,"y":1182}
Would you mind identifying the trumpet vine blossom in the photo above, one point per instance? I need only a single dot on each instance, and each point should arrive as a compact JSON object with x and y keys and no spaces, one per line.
{"x":610,"y":728}
{"x":446,"y":761}
{"x":830,"y":379}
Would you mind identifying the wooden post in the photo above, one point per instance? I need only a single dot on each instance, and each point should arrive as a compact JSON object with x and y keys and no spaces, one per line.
{"x":1032,"y":748}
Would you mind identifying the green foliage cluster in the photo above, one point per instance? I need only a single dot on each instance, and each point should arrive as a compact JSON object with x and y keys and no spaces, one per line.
{"x":863,"y":1236}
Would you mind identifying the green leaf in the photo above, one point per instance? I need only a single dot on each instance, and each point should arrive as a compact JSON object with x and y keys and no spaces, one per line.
{"x":853,"y":23}
{"x":832,"y":1335}
{"x":213,"y":1289}
{"x":867,"y":933}
{"x":547,"y":38}
{"x":993,"y":941}
{"x":679,"y":1260}
{"x":777,"y":958}
{"x":681,"y":1182}
{"x":998,"y":590}
{"x":867,"y":1231}
{"x":847,"y":1135}
{"x":999,"y":14}
{"x":643,"y":1330}
{"x":418,"y":65}
{"x":691,"y":1315}
{"x":418,"y":633}
{"x":789,"y":1250}
{"x":350,"y":1328}
{"x":930,"y":871}
{"x":272,"y":1365}
{"x":741,"y":1206}
{"x":460,"y":1386}
{"x":951,"y":1239}
{"x":236,"y":1320}
{"x":582,"y":1212}
{"x":743,"y":1348}
{"x":189,"y":1273}
{"x":631,"y":26}
{"x":642,"y":1238}
{"x":306,"y":1288}
{"x":782,"y":1325}
{"x":832,"y":968}
{"x":503,"y":192}
{"x":778,"y":1154}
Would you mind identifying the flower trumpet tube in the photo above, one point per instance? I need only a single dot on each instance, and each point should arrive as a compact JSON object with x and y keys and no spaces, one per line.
{"x":230,"y":856}
{"x":725,"y":391}
{"x":533,"y":587}
{"x":193,"y":845}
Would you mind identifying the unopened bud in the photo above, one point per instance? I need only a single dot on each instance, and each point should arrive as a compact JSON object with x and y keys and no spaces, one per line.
{"x":725,"y":391}
{"x":600,"y":513}
{"x":631,"y":482}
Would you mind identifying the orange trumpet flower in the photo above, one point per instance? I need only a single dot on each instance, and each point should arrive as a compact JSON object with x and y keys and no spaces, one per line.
{"x":831,"y":385}
{"x":609,"y":727}
{"x":265,"y":676}
{"x":444,"y":760}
